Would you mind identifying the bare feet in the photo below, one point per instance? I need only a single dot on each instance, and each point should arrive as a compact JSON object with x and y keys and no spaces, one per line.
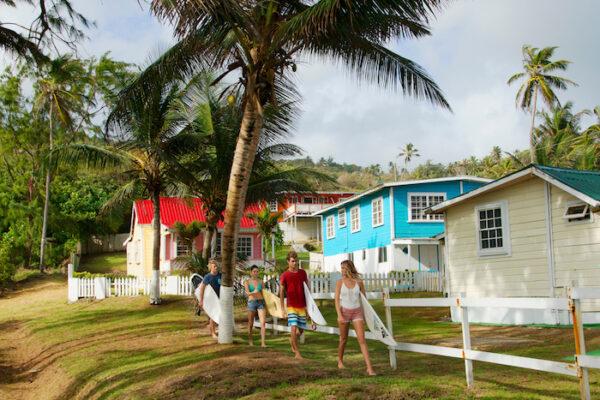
{"x":371,"y":373}
{"x":341,"y":365}
{"x":298,"y":356}
{"x":250,"y":343}
{"x":263,"y":345}
{"x":215,"y":336}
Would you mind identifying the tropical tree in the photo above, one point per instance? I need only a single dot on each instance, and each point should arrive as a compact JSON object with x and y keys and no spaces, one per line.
{"x":537,"y":79}
{"x":56,"y":21}
{"x":262,"y":40}
{"x":215,"y":118}
{"x":188,"y":233}
{"x":58,"y":97}
{"x":266,"y":222}
{"x":408,"y":152}
{"x":146,"y":156}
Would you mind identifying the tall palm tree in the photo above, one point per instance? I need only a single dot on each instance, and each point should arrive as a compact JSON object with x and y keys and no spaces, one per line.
{"x":216,"y":118}
{"x":266,"y":222}
{"x":538,"y":67}
{"x":556,"y":135}
{"x":146,"y":156}
{"x":408,"y":152}
{"x":58,"y":97}
{"x":262,"y":40}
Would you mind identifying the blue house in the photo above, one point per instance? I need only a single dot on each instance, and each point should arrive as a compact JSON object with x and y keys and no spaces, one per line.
{"x":385,"y":228}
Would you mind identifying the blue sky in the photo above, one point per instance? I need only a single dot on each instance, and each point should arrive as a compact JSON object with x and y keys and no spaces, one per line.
{"x":474,"y":48}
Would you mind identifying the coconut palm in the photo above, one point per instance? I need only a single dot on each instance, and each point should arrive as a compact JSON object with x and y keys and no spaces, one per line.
{"x":538,"y":67}
{"x":262,"y":40}
{"x":408,"y":152}
{"x":146,"y":155}
{"x":58,"y":97}
{"x":556,"y":135}
{"x":208,"y":167}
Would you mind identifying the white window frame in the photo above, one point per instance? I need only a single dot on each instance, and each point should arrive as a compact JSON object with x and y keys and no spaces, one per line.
{"x":273,"y":205}
{"x":428,"y":217}
{"x":505,"y":250}
{"x":374,"y":215}
{"x":354,"y":229}
{"x":342,"y":211}
{"x":237,"y":250}
{"x":573,"y":218}
{"x":330,"y":227}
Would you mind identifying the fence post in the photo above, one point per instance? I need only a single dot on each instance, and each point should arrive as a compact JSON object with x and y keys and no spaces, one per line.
{"x":466,"y":334}
{"x":582,"y":373}
{"x":100,"y":288}
{"x":275,"y":319}
{"x":72,"y":285}
{"x":390,"y":327}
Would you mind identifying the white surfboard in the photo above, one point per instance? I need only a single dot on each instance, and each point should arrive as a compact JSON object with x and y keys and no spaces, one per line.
{"x":273,"y":303}
{"x":311,"y":308}
{"x":212,"y":305}
{"x":375,"y":324}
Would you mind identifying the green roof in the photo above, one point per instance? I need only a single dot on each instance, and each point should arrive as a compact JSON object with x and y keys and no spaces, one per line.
{"x":586,"y":182}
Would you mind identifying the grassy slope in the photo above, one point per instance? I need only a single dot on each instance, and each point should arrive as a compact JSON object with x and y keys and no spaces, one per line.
{"x":106,"y":263}
{"x":125,"y":348}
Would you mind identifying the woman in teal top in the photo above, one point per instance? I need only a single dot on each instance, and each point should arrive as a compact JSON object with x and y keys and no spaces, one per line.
{"x":256,"y":305}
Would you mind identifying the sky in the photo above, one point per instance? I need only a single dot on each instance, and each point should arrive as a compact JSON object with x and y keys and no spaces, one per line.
{"x":474,"y":48}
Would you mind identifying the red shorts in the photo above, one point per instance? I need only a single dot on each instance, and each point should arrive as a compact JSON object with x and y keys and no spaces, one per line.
{"x":352,"y":314}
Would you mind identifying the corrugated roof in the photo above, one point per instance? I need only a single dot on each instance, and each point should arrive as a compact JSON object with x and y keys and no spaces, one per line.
{"x":173,"y":209}
{"x":586,"y":182}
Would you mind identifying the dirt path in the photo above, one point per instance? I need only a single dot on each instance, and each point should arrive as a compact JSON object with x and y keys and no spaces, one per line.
{"x":23,"y":374}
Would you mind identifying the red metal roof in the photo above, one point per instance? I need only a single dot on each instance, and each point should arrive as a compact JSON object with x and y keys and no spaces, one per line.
{"x":173,"y":209}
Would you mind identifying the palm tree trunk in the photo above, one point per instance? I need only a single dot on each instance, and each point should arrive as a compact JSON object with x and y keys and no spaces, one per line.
{"x":243,"y":160}
{"x":209,"y":232}
{"x":46,"y":200}
{"x":532,"y":146}
{"x":155,"y":282}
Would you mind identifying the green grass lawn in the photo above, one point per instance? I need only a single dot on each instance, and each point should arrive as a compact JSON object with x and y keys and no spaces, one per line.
{"x":105,"y":263}
{"x":124,"y":348}
{"x":281,"y":254}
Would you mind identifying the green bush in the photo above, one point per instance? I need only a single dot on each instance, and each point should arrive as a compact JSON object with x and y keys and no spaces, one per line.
{"x":11,"y":250}
{"x":86,"y":274}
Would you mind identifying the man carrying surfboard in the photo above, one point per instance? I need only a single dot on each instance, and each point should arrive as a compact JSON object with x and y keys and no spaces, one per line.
{"x":291,"y":285}
{"x":213,"y":278}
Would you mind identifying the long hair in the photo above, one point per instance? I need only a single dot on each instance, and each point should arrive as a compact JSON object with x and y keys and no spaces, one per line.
{"x":351,"y":268}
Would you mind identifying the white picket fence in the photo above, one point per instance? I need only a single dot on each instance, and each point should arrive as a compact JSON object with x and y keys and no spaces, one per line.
{"x":100,"y":288}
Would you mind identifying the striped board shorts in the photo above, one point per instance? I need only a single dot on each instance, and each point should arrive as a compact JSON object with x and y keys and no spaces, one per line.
{"x":296,"y":316}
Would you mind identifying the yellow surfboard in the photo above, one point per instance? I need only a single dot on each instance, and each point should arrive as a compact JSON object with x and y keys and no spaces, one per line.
{"x":273,"y":304}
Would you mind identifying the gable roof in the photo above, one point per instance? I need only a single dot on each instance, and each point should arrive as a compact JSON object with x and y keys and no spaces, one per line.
{"x":585,"y":185}
{"x":403,"y":183}
{"x":173,"y":209}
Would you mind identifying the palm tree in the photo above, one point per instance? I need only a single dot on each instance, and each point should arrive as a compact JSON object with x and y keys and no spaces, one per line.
{"x":59,"y":97}
{"x":216,"y":121}
{"x":266,"y":222}
{"x":408,"y":152}
{"x":147,"y":155}
{"x":537,"y":79}
{"x":262,"y":40}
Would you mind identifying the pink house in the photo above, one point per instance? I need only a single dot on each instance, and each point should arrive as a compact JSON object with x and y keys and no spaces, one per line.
{"x":172,"y":210}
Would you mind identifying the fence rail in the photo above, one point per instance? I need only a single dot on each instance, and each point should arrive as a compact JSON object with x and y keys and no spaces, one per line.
{"x":321,"y":283}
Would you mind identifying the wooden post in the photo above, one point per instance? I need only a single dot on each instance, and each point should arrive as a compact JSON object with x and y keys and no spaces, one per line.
{"x":274,"y":326}
{"x":466,"y":334}
{"x":582,"y":373}
{"x":388,"y":317}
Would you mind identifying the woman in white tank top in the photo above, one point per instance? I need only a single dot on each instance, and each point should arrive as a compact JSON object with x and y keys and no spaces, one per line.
{"x":349,"y":309}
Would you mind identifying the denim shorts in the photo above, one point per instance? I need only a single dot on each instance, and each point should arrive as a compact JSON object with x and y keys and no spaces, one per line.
{"x":255,"y":305}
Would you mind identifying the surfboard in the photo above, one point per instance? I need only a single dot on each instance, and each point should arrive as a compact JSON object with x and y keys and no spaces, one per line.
{"x":375,"y":324}
{"x":273,"y":303}
{"x":311,"y":308}
{"x":212,"y":305}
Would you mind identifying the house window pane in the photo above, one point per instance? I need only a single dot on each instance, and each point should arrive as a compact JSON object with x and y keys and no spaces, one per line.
{"x":377,"y":212}
{"x":183,"y":248}
{"x":491,"y":229}
{"x":422,"y":201}
{"x":330,"y":227}
{"x":273,"y":205}
{"x":244,"y":246}
{"x":382,"y":255}
{"x":355,"y":219}
{"x":342,"y":217}
{"x":218,"y":245}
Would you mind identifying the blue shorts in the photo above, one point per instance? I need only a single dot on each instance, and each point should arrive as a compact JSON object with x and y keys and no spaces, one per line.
{"x":255,"y":305}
